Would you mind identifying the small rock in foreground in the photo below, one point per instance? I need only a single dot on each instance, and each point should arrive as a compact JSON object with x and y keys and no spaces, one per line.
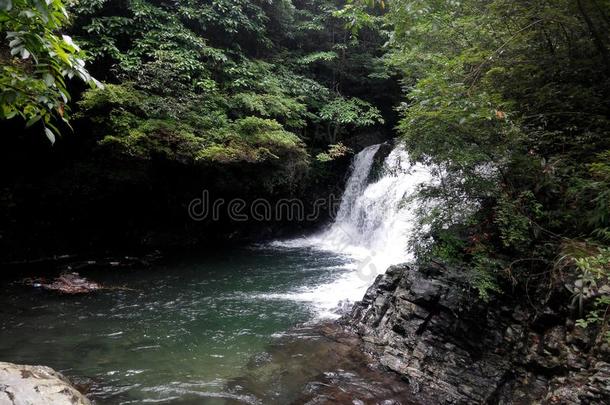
{"x":27,"y":385}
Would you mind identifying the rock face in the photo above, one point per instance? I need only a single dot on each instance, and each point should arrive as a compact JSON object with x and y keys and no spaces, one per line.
{"x":428,"y":326}
{"x":33,"y":385}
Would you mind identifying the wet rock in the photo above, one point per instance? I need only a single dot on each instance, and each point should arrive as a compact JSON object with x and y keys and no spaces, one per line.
{"x":425,"y":328}
{"x":579,"y":337}
{"x":522,"y":387}
{"x":71,"y":283}
{"x":425,"y":324}
{"x":555,"y":339}
{"x":378,"y":161}
{"x":520,"y":315}
{"x":514,"y":334}
{"x":590,"y":386}
{"x":28,"y":385}
{"x":343,"y":307}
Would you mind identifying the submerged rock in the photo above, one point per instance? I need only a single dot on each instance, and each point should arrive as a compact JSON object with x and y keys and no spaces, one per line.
{"x":321,"y":364}
{"x":71,"y":283}
{"x":30,"y":385}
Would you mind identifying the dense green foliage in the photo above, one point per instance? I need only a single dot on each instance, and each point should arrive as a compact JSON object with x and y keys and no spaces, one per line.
{"x":34,"y":65}
{"x":225,"y":81}
{"x":509,"y":101}
{"x":189,"y":80}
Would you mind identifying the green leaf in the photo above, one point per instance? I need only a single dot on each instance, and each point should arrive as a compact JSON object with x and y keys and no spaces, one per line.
{"x":32,"y":121}
{"x":48,"y":79}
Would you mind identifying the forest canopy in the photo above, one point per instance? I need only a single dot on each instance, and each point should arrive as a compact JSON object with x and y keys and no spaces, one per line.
{"x":201,"y":70}
{"x":250,"y":98}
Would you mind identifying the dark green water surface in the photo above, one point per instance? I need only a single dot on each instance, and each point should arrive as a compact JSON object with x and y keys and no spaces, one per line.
{"x":185,"y":328}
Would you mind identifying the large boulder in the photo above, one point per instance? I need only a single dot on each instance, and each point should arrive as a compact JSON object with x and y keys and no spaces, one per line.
{"x":33,"y":385}
{"x":426,"y":324}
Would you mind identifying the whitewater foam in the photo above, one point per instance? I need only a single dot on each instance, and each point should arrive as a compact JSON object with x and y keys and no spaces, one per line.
{"x":371,"y":229}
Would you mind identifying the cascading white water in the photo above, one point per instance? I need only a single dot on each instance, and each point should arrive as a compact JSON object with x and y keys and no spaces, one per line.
{"x":361,"y":168}
{"x":372,"y":226}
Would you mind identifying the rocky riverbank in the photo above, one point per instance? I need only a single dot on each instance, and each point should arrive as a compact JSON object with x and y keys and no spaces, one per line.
{"x":419,"y":336}
{"x":426,"y":325}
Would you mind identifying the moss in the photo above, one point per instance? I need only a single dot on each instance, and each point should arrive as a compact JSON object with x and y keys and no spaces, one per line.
{"x":111,"y":97}
{"x":254,"y":139}
{"x":228,"y":154}
{"x":171,"y":139}
{"x":197,"y":131}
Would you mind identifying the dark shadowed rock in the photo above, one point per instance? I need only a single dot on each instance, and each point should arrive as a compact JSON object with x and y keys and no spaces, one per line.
{"x":427,"y":325}
{"x":424,"y":326}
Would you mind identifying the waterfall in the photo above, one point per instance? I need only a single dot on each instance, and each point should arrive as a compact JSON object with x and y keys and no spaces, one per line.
{"x":375,"y":219}
{"x":357,"y":181}
{"x":372,"y":226}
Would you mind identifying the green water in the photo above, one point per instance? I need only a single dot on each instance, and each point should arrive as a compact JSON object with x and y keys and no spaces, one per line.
{"x":186,"y":328}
